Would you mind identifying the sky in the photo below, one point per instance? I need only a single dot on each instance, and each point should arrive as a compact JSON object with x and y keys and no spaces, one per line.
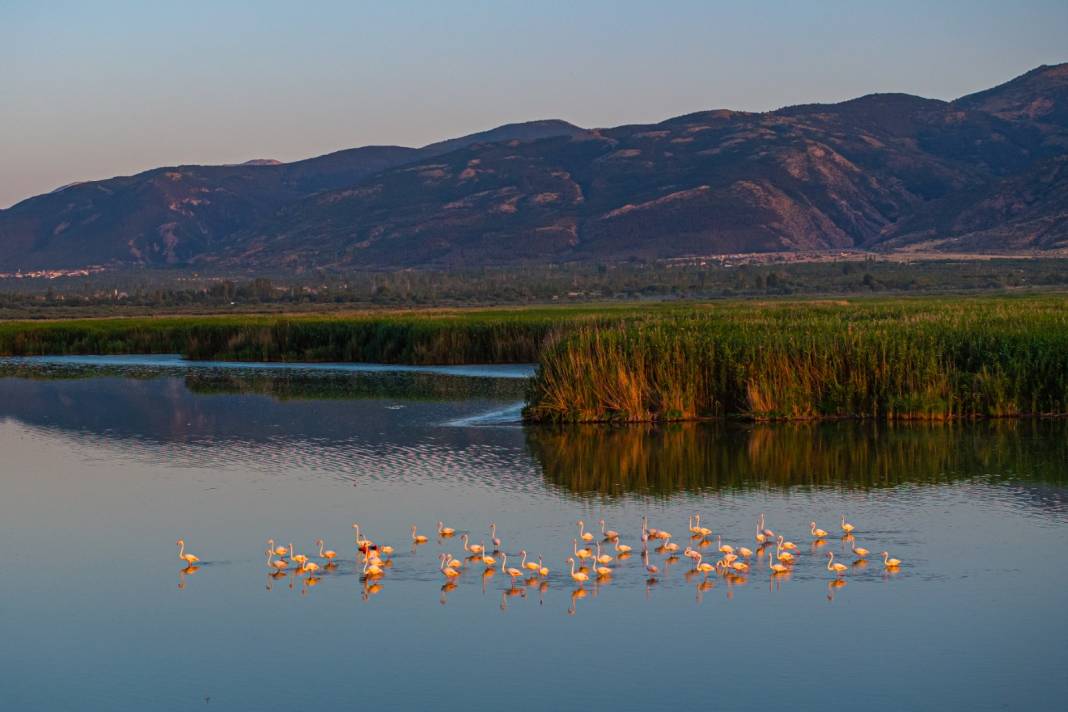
{"x":99,"y":88}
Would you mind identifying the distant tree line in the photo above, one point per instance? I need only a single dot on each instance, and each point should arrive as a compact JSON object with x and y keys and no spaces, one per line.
{"x":145,"y":292}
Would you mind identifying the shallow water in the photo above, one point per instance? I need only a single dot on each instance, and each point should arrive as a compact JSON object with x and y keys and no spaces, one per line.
{"x":103,"y":469}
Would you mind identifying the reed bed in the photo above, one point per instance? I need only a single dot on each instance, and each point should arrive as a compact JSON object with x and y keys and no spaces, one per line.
{"x":421,"y":337}
{"x":899,"y":360}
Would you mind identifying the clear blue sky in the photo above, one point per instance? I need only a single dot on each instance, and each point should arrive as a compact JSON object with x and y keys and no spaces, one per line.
{"x":102,"y":88}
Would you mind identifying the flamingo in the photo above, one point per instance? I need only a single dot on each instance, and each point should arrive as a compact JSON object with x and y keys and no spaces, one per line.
{"x":769,"y":535}
{"x":296,"y":558}
{"x":583,"y":554}
{"x":602,"y":571}
{"x":361,"y":543}
{"x":278,"y":550}
{"x":578,"y":576}
{"x":602,"y":558}
{"x":528,"y":565}
{"x":445,"y":531}
{"x":487,"y":560}
{"x":418,"y":538}
{"x":846,"y":526}
{"x":609,"y":534}
{"x":583,"y":534}
{"x":329,"y":554}
{"x":777,"y":568}
{"x":510,"y":570}
{"x":543,"y":570}
{"x":723,"y":548}
{"x":189,"y":559}
{"x":277,"y":565}
{"x":371,"y":570}
{"x":703,"y":566}
{"x":890,"y":563}
{"x":493,"y":537}
{"x":446,"y":567}
{"x":474,"y":548}
{"x":698,"y":529}
{"x":860,"y":552}
{"x":838,"y":569}
{"x":650,"y":568}
{"x":622,"y":548}
{"x":309,"y":567}
{"x":818,"y":533}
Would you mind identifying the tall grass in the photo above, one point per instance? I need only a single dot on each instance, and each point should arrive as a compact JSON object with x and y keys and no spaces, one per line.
{"x":423,"y":337}
{"x":924,"y":359}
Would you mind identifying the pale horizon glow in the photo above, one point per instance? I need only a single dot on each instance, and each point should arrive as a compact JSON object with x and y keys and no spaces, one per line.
{"x":94,"y":90}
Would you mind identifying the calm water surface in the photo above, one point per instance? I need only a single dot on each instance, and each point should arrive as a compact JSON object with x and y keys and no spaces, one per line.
{"x":103,"y":468}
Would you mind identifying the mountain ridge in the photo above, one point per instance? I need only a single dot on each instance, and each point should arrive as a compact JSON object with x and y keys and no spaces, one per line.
{"x":883,"y":171}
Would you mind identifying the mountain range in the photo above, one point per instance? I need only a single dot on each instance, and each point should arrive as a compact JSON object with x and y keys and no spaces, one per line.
{"x":987,"y":172}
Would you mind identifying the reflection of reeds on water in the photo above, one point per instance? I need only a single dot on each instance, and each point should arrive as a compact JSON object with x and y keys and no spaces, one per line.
{"x":409,"y":386}
{"x":714,"y":456}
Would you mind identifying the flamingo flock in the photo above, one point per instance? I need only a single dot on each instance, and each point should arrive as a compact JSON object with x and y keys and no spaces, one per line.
{"x":599,"y":558}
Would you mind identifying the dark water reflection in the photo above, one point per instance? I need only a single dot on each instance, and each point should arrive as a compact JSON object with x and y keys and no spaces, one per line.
{"x":714,"y":456}
{"x":102,"y":470}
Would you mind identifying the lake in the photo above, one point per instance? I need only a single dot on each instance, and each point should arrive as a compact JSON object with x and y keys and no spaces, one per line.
{"x":108,"y":461}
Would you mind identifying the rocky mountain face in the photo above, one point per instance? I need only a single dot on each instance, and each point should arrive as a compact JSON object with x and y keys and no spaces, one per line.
{"x":984,"y":173}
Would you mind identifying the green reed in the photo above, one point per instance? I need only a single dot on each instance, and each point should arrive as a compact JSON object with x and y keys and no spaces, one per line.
{"x":419,"y":337}
{"x":923,"y":359}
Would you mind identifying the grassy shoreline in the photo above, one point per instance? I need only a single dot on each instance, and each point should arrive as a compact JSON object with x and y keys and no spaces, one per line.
{"x":924,"y":358}
{"x":931,"y":359}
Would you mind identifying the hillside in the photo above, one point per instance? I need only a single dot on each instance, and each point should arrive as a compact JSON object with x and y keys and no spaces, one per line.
{"x":984,"y":173}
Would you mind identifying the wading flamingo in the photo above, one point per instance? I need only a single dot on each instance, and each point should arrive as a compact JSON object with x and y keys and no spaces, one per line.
{"x":278,"y":565}
{"x":296,"y":558}
{"x":583,"y":554}
{"x":818,"y":533}
{"x":838,"y":569}
{"x":418,"y":538}
{"x":329,"y":554}
{"x":189,"y":559}
{"x":510,"y":570}
{"x":578,"y":576}
{"x":473,"y":548}
{"x":609,"y":534}
{"x":583,"y":534}
{"x":493,"y":537}
{"x":361,"y":543}
{"x":445,"y":531}
{"x":528,"y":565}
{"x":890,"y":563}
{"x":846,"y":526}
